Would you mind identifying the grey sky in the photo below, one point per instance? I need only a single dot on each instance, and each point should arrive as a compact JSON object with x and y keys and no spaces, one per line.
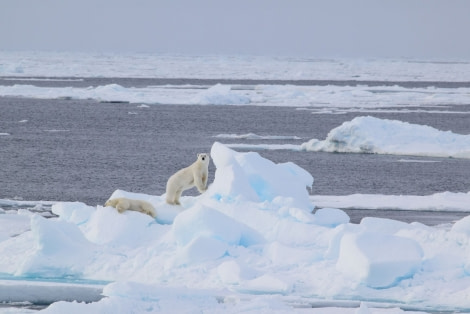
{"x":329,"y":28}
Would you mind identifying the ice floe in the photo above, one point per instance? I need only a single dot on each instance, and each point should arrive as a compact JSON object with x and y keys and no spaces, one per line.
{"x":382,"y":136}
{"x":68,"y":65}
{"x":253,"y":243}
{"x":253,"y":136}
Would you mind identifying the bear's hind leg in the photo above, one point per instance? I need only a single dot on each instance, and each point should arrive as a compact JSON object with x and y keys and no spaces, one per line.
{"x":147,"y":209}
{"x":177,"y":196}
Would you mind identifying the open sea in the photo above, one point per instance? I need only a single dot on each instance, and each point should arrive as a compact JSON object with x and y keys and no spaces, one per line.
{"x":83,"y":150}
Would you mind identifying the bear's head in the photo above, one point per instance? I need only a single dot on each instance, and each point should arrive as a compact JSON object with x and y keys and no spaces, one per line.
{"x":205,"y":158}
{"x":110,"y":202}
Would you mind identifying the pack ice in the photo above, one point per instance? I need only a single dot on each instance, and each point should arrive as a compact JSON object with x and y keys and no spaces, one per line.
{"x":252,"y":242}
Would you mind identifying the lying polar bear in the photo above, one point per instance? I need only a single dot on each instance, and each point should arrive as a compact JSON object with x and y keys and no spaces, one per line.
{"x":194,"y":175}
{"x":122,"y":204}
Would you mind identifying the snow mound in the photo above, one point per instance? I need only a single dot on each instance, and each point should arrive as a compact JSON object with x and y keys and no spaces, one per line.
{"x":382,"y":136}
{"x":220,"y":95}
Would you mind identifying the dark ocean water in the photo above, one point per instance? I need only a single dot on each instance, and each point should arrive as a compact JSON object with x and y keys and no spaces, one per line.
{"x":68,"y":150}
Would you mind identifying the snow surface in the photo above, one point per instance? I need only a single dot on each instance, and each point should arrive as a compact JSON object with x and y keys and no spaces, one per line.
{"x":250,"y":244}
{"x":381,"y":136}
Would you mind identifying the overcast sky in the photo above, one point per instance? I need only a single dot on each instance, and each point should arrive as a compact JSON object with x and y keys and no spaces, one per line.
{"x":329,"y":28}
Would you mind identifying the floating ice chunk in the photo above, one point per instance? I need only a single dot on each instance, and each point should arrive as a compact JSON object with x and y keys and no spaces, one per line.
{"x":45,"y":292}
{"x":444,"y":201}
{"x":254,"y":178}
{"x":220,"y":95}
{"x":253,"y":136}
{"x":378,"y":260}
{"x":330,"y":217}
{"x":60,"y":249}
{"x":382,"y":136}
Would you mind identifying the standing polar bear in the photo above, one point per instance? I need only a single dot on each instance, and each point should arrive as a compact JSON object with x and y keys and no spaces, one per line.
{"x":122,"y":204}
{"x":194,"y":175}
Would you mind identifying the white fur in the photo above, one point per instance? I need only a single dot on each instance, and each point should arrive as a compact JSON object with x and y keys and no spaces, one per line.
{"x":122,"y":204}
{"x":194,"y":175}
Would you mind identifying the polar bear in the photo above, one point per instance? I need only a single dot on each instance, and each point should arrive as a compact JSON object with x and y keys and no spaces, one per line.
{"x":194,"y":175}
{"x":122,"y":204}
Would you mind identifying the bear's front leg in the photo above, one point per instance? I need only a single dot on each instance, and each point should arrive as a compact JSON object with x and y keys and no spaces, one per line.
{"x":198,"y":183}
{"x":122,"y":206}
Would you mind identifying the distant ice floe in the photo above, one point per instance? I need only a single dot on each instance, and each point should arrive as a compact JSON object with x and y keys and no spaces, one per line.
{"x":220,"y":95}
{"x":70,"y":65}
{"x":444,"y":201}
{"x":380,"y":136}
{"x":250,"y":243}
{"x":316,"y":99}
{"x":253,"y":136}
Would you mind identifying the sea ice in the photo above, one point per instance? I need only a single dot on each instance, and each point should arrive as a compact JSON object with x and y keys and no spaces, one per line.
{"x":251,"y":243}
{"x":44,"y":65}
{"x":220,"y":95}
{"x":253,"y":136}
{"x":382,"y":136}
{"x":444,"y":201}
